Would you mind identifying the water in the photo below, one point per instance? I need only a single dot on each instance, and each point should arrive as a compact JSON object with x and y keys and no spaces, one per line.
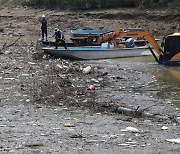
{"x":168,"y":79}
{"x":168,"y":84}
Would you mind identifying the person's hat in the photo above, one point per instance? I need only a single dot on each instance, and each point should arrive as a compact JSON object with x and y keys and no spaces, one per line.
{"x":43,"y":16}
{"x":56,"y":29}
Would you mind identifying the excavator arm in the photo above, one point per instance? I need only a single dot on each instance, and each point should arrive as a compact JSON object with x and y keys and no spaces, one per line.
{"x":134,"y":33}
{"x":166,"y":57}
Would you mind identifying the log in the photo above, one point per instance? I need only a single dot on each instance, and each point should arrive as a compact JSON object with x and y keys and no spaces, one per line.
{"x":5,"y":46}
{"x":131,"y":112}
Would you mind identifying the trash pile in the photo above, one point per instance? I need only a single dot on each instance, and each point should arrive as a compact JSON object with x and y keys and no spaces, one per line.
{"x":69,"y":83}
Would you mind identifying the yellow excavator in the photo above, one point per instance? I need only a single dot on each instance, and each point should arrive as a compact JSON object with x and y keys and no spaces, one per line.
{"x":171,"y":44}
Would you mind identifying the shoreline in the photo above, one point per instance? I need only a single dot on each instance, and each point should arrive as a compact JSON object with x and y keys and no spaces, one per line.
{"x":46,"y":107}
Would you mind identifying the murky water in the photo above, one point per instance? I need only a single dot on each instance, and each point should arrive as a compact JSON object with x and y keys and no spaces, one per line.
{"x":168,"y":79}
{"x":168,"y":84}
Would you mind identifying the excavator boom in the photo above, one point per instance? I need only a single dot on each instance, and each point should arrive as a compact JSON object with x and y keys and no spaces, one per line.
{"x":134,"y":33}
{"x":170,"y":55}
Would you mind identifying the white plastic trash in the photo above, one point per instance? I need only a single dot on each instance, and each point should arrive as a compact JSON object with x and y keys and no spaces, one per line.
{"x":164,"y":128}
{"x":130,"y":129}
{"x":87,"y":70}
{"x":174,"y":140}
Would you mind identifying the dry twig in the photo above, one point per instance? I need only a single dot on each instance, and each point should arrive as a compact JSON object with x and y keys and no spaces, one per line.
{"x":5,"y":46}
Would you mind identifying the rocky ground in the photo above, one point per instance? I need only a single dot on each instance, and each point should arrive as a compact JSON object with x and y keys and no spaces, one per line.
{"x":45,"y":104}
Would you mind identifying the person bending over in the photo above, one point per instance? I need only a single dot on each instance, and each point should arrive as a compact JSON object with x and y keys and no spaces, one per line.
{"x":59,"y":37}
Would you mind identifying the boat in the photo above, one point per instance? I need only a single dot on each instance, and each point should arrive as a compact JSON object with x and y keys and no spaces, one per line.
{"x":96,"y":52}
{"x":85,"y":33}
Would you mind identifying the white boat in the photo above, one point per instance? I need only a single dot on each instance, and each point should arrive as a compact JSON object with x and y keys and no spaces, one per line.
{"x":96,"y":52}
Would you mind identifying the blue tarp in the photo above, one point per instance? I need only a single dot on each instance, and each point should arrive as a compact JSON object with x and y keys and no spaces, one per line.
{"x":87,"y":32}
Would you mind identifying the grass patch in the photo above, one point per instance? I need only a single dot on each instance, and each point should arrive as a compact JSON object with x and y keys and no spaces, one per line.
{"x":2,"y":1}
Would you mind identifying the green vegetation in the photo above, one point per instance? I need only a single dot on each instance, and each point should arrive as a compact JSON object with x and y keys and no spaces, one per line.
{"x":2,"y":1}
{"x":95,"y":4}
{"x":80,"y":4}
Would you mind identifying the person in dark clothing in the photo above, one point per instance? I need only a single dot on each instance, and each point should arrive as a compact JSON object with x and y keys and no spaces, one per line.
{"x":44,"y":26}
{"x":59,"y":37}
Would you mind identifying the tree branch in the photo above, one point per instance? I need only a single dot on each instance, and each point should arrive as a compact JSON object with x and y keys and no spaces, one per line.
{"x":5,"y":46}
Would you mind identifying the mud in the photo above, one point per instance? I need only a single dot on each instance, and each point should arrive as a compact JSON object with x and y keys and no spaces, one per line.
{"x":45,"y":105}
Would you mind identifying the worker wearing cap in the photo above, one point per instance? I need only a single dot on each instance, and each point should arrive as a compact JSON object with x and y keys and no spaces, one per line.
{"x":59,"y":37}
{"x":44,"y":26}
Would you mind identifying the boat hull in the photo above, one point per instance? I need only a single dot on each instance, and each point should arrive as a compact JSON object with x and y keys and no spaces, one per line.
{"x":88,"y":53}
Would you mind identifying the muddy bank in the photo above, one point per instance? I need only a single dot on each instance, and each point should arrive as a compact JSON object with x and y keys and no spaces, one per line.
{"x":42,"y":111}
{"x":23,"y":22}
{"x":46,"y":106}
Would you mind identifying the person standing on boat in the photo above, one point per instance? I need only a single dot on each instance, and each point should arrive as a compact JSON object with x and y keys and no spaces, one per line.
{"x":59,"y":37}
{"x":44,"y":26}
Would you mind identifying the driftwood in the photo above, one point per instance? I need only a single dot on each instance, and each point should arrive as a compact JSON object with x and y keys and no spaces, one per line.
{"x":141,"y":113}
{"x":5,"y":45}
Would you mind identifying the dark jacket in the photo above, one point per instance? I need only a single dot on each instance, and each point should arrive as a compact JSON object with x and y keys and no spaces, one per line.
{"x":44,"y":23}
{"x":59,"y":35}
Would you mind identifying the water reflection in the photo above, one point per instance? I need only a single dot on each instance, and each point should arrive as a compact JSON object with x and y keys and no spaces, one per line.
{"x":168,"y":84}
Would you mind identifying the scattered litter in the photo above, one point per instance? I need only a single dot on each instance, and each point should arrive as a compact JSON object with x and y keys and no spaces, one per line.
{"x":69,"y":125}
{"x":76,"y":136}
{"x":91,"y":87}
{"x":32,"y":145}
{"x":123,"y":144}
{"x":31,"y":63}
{"x":7,"y":52}
{"x":39,"y":124}
{"x":174,"y":140}
{"x":164,"y":128}
{"x":95,"y":80}
{"x":178,"y":119}
{"x":92,"y":141}
{"x":129,"y":111}
{"x":25,"y":75}
{"x":137,"y":135}
{"x":65,"y":108}
{"x":9,"y":78}
{"x":70,"y":70}
{"x":130,"y":129}
{"x":2,"y":125}
{"x":131,"y":142}
{"x":59,"y":66}
{"x":38,"y":106}
{"x":113,"y":136}
{"x":87,"y":70}
{"x":28,"y":100}
{"x":78,"y":92}
{"x":148,"y":122}
{"x":143,"y":145}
